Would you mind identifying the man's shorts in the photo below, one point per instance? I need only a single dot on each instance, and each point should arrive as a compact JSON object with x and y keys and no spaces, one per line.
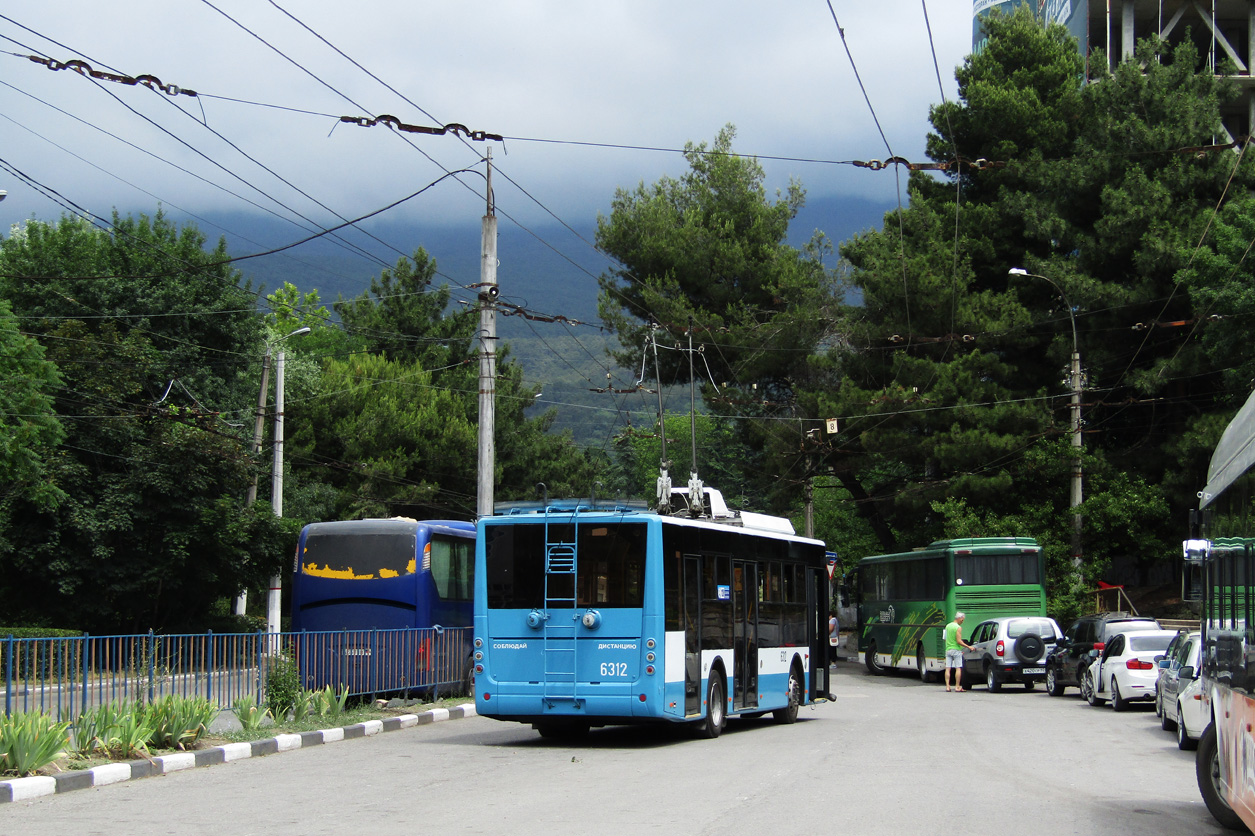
{"x":954,"y":658}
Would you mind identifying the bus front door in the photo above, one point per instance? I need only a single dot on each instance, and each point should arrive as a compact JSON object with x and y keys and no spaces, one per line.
{"x":745,"y":634}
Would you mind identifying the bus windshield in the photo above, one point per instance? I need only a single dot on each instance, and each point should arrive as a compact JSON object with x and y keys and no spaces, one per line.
{"x":352,"y":555}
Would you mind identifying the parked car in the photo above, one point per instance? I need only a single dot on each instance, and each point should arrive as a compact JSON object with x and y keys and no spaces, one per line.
{"x":1011,"y":649}
{"x":1165,"y":663}
{"x":1082,"y":642}
{"x":1179,"y":698}
{"x":1126,"y":669}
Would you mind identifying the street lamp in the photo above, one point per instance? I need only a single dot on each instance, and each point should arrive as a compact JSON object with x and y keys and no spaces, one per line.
{"x":1075,"y":383}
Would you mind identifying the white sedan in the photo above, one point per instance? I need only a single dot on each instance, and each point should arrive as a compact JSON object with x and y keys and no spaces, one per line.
{"x":1126,"y":669}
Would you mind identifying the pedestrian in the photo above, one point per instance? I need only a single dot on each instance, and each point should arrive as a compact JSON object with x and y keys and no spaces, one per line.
{"x":834,"y":636}
{"x":954,"y":651}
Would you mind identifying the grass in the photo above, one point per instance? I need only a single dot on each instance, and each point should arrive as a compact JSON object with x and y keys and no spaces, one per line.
{"x":351,"y":716}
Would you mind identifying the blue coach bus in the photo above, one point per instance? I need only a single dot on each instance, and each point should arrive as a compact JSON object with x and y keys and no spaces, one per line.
{"x":384,"y":604}
{"x":601,"y":613}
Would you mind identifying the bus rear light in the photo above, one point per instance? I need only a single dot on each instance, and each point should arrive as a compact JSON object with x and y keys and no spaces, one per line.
{"x":479,"y":669}
{"x":1139,"y":665}
{"x":649,"y":669}
{"x":487,"y":696}
{"x":479,"y":642}
{"x":649,"y":657}
{"x":641,"y":698}
{"x":1000,"y":649}
{"x":479,"y":655}
{"x":650,"y":644}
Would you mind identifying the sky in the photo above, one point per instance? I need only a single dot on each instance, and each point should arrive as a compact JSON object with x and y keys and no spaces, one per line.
{"x":577,"y":89}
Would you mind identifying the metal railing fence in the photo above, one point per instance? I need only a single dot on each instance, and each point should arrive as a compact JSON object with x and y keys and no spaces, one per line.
{"x":65,"y":676}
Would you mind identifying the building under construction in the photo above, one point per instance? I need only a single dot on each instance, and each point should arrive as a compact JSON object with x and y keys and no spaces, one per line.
{"x":1223,"y":31}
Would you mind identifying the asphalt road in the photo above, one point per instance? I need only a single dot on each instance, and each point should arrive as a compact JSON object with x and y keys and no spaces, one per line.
{"x":890,"y":756}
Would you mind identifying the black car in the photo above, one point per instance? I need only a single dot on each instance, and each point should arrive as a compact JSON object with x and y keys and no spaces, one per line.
{"x":1082,"y":642}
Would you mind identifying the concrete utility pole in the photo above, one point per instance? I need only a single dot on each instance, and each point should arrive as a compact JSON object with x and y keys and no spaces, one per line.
{"x":1076,"y":383}
{"x":241,"y":600}
{"x":487,"y":354}
{"x":275,"y":597}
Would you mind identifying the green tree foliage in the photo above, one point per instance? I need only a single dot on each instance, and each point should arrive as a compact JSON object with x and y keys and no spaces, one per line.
{"x":154,"y":337}
{"x":390,"y":426}
{"x":949,"y":375}
{"x":705,"y":256}
{"x":29,"y":428}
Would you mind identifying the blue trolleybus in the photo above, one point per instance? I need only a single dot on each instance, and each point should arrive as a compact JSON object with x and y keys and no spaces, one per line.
{"x":601,"y":613}
{"x":385,"y":604}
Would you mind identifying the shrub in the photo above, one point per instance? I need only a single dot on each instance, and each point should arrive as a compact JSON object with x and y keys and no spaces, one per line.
{"x":283,"y":686}
{"x":327,"y":703}
{"x":249,"y":713}
{"x":178,"y":722}
{"x":30,"y":740}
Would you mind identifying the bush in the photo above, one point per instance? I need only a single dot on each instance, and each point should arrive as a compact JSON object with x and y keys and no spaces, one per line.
{"x":178,"y":722}
{"x":31,"y":740}
{"x":283,"y":686}
{"x":119,"y":729}
{"x":249,"y":713}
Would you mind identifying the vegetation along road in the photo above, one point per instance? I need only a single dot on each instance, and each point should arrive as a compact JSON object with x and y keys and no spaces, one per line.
{"x":890,"y":756}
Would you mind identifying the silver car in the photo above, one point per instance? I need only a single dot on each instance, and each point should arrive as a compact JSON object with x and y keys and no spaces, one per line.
{"x":1012,"y":649}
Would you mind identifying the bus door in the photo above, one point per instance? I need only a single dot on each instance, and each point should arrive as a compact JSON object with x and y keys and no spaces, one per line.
{"x":744,"y":634}
{"x":817,"y":604}
{"x":692,"y":616}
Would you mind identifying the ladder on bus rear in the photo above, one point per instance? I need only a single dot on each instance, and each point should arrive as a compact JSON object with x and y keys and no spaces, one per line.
{"x":561,"y":561}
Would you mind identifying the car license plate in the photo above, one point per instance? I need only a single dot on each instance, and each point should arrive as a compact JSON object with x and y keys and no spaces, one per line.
{"x":1033,"y":670}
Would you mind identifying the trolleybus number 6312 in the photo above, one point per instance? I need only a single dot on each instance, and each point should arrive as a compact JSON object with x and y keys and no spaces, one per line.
{"x":614,"y":668}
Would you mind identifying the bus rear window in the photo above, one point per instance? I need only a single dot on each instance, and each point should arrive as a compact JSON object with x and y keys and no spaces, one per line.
{"x":610,"y":565}
{"x":356,"y":556}
{"x":991,"y":569}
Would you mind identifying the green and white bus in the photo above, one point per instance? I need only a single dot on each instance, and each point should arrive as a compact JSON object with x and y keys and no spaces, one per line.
{"x":905,"y":600}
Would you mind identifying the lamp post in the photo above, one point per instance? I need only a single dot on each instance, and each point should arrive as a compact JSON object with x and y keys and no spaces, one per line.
{"x":1075,"y":383}
{"x":276,"y":478}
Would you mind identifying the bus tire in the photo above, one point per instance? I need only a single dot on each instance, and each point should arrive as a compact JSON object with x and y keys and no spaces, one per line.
{"x":921,"y":664}
{"x":873,"y":666}
{"x":1207,"y":771}
{"x":716,"y":707}
{"x":468,"y":678}
{"x":788,"y":714}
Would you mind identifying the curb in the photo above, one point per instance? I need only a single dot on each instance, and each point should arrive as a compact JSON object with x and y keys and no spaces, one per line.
{"x":24,"y":789}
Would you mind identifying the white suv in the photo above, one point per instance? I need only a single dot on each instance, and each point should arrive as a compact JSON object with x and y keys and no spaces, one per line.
{"x":1010,"y":649}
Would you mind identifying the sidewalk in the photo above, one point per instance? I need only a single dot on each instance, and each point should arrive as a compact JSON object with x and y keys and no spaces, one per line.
{"x":23,"y":789}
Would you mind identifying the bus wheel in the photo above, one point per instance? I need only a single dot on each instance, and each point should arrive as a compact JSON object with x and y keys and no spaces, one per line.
{"x":921,"y":665}
{"x":1207,"y":770}
{"x":873,"y":666}
{"x":716,"y":704}
{"x":788,"y":714}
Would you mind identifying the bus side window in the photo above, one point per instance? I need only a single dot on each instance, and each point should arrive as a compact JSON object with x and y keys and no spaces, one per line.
{"x":452,"y":567}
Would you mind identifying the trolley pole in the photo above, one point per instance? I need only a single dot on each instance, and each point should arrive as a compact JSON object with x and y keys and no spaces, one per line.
{"x":487,"y":353}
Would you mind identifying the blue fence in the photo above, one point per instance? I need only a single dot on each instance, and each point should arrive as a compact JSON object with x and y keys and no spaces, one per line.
{"x":62,"y":677}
